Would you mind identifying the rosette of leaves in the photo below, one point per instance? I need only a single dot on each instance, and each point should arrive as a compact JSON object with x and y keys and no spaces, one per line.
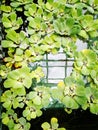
{"x":33,"y":10}
{"x":19,"y":78}
{"x":14,"y":40}
{"x":18,"y":4}
{"x":40,"y":96}
{"x":37,"y":74}
{"x":22,"y":124}
{"x":92,"y":99}
{"x":36,"y":24}
{"x":13,"y":98}
{"x":66,"y":26}
{"x":85,"y":61}
{"x":9,"y":118}
{"x":69,"y":47}
{"x":16,"y":43}
{"x":71,"y":93}
{"x":11,"y":22}
{"x":53,"y":125}
{"x":32,"y":111}
{"x":4,"y":71}
{"x":89,"y":24}
{"x":51,"y":44}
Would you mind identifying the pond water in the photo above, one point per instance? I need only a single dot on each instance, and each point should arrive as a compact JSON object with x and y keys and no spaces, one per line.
{"x":78,"y":120}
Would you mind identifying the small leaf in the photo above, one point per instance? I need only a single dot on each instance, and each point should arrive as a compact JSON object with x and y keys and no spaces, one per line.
{"x":26,"y":112}
{"x":37,"y":100}
{"x":7,"y":104}
{"x":7,"y":44}
{"x":83,"y":34}
{"x":70,"y":22}
{"x":5,"y":120}
{"x":94,"y":108}
{"x":33,"y":115}
{"x":22,"y":121}
{"x":15,"y":103}
{"x":12,"y":35}
{"x":45,"y":126}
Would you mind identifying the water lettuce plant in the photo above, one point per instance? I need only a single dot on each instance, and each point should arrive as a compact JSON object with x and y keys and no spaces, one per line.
{"x":53,"y":125}
{"x":30,"y":31}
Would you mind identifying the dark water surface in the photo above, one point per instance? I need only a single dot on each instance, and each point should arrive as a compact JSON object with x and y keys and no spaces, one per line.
{"x":77,"y":120}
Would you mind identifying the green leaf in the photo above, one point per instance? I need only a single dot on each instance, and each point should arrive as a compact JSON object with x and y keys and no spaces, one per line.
{"x":11,"y":124}
{"x":27,"y":82}
{"x":83,"y":34}
{"x":5,"y":120}
{"x":38,"y":112}
{"x":75,"y":30}
{"x":22,"y":121}
{"x":19,"y":51}
{"x":45,"y":126}
{"x":13,"y":16}
{"x":26,"y":112}
{"x":20,"y":91}
{"x":37,"y":100}
{"x":7,"y":44}
{"x":7,"y":104}
{"x":33,"y":115}
{"x":12,"y":35}
{"x":70,"y":22}
{"x":15,"y":103}
{"x":19,"y":21}
{"x":94,"y":108}
{"x":6,"y":22}
{"x":70,"y":103}
{"x":5,"y":8}
{"x":85,"y":70}
{"x":12,"y":83}
{"x":80,"y":100}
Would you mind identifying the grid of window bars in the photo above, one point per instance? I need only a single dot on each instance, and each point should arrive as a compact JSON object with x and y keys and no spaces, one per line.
{"x":57,"y":67}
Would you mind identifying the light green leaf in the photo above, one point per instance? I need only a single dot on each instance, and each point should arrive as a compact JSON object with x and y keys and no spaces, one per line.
{"x":7,"y":104}
{"x":45,"y":126}
{"x":20,"y":91}
{"x":19,"y":51}
{"x":11,"y":124}
{"x":83,"y":34}
{"x":12,"y":83}
{"x":12,"y":35}
{"x":5,"y":8}
{"x":38,"y":112}
{"x":15,"y":103}
{"x":26,"y":112}
{"x":27,"y":82}
{"x":37,"y":100}
{"x":13,"y":16}
{"x":7,"y":44}
{"x":69,"y":102}
{"x":22,"y":121}
{"x":94,"y":108}
{"x":33,"y":115}
{"x":6,"y":22}
{"x":5,"y":120}
{"x":19,"y":21}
